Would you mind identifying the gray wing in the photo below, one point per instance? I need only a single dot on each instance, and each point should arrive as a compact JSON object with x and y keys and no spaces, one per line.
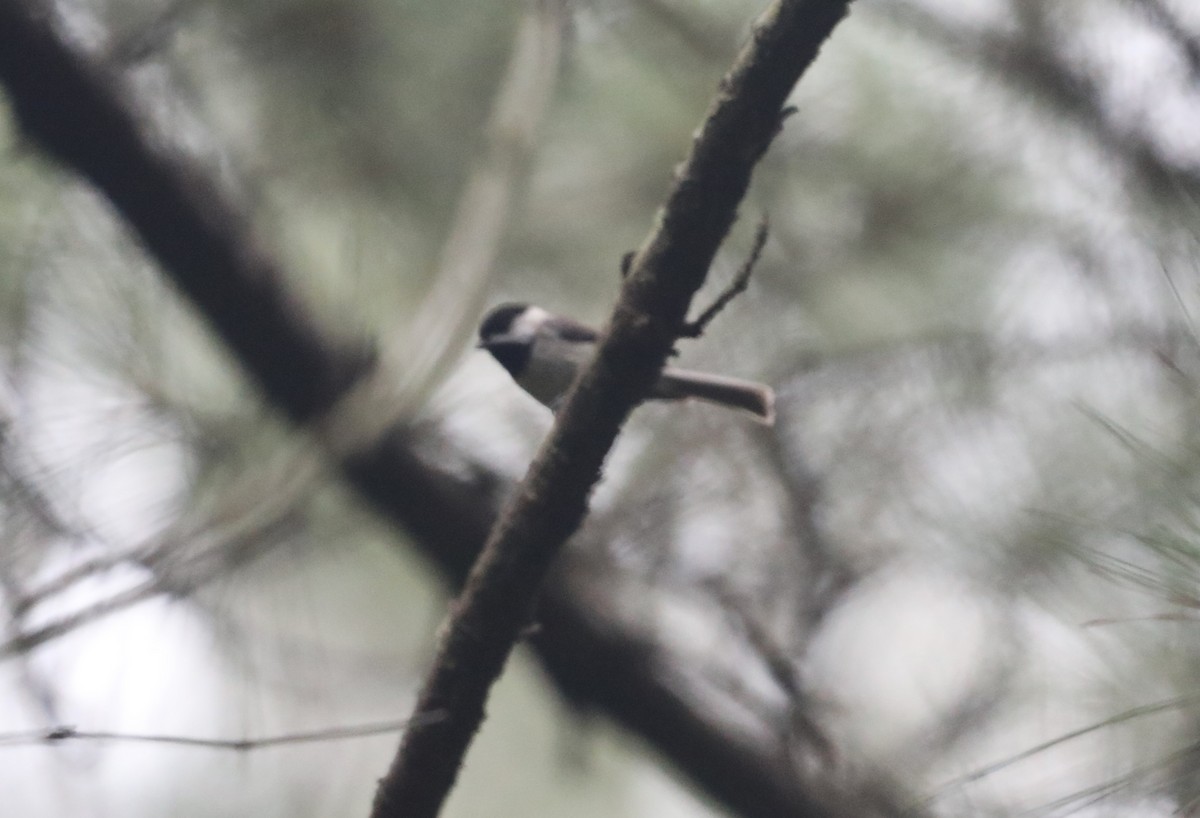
{"x":571,"y":330}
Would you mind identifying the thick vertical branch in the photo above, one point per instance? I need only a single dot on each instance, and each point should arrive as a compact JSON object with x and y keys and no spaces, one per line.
{"x":551,"y":502}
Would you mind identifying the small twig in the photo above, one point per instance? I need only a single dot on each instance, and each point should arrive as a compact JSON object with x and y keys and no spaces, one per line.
{"x":67,"y":732}
{"x":23,"y":642}
{"x":694,"y":329}
{"x":1154,"y":708}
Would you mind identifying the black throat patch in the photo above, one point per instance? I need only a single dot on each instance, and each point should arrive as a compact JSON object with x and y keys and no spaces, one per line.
{"x":512,"y":355}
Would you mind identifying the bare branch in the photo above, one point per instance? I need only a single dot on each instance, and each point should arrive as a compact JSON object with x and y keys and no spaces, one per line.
{"x":550,"y":504}
{"x":694,"y":329}
{"x":56,"y":735}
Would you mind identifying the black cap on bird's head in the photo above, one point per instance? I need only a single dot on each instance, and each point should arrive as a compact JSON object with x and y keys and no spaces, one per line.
{"x":499,"y":321}
{"x":497,"y":337}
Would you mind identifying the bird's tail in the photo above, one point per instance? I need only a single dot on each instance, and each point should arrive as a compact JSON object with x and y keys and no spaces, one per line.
{"x":755,"y":398}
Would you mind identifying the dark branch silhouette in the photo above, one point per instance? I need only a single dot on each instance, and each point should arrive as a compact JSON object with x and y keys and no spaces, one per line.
{"x":551,"y":502}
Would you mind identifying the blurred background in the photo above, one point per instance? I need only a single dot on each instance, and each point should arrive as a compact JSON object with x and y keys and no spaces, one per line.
{"x":958,"y":577}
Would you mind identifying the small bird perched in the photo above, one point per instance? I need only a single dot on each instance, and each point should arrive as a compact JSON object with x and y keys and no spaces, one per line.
{"x":543,"y":352}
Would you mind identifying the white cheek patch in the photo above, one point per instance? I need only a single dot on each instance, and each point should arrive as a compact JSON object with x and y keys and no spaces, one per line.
{"x":529,"y":322}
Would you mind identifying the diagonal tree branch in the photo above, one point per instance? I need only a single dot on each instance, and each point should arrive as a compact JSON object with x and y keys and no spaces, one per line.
{"x":551,"y":502}
{"x":76,"y":112}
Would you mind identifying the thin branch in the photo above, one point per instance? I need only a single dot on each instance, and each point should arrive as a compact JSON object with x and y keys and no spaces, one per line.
{"x":694,"y":329}
{"x":177,"y":569}
{"x":551,"y":502}
{"x":56,"y":735}
{"x":1132,"y":713}
{"x":180,"y":559}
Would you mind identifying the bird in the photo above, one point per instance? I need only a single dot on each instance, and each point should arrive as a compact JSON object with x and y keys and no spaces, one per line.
{"x":543,"y":352}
